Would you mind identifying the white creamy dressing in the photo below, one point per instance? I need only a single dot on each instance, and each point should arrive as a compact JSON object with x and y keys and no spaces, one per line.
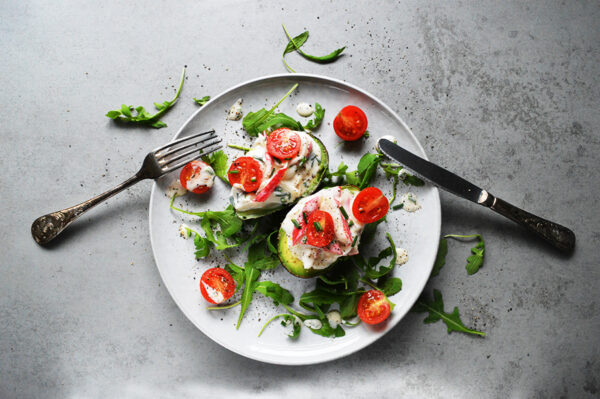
{"x":334,"y":318}
{"x":215,"y":295}
{"x":410,"y":203}
{"x":320,"y":258}
{"x":299,"y":176}
{"x":315,"y":324}
{"x":175,"y":188}
{"x":235,"y":112}
{"x":401,"y":256}
{"x":304,"y":109}
{"x":205,"y":177}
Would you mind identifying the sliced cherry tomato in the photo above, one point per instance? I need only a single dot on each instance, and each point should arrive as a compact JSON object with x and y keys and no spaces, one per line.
{"x":283,"y":143}
{"x":373,"y":307}
{"x":370,"y":205}
{"x":217,"y":285}
{"x":247,"y":172}
{"x":191,"y":172}
{"x":320,"y":229}
{"x":351,"y":123}
{"x":266,"y":191}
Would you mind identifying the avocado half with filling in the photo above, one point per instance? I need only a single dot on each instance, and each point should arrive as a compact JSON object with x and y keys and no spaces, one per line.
{"x":311,"y":187}
{"x":297,"y":266}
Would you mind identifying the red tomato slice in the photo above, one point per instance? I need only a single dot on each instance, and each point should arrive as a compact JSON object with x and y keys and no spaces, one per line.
{"x":370,"y":205}
{"x":373,"y":307}
{"x":309,"y":207}
{"x":320,"y":229}
{"x":283,"y":143}
{"x":247,"y":172}
{"x":351,"y":123}
{"x":217,"y":285}
{"x":190,"y":171}
{"x":266,"y":191}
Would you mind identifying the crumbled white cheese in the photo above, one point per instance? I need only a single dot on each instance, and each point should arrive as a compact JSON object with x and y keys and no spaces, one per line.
{"x":334,"y":318}
{"x":410,"y":202}
{"x":216,"y":296}
{"x":401,"y":256}
{"x":175,"y":189}
{"x":235,"y":112}
{"x":184,"y":231}
{"x":315,"y":324}
{"x":304,"y":109}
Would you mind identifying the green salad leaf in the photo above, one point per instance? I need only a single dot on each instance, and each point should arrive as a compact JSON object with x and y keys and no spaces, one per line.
{"x":278,"y":121}
{"x":253,"y":121}
{"x":319,"y":115}
{"x":287,"y":320}
{"x":391,"y":286}
{"x":440,"y":258}
{"x":298,"y":41}
{"x":201,"y":101}
{"x":218,"y":161}
{"x":142,"y":116}
{"x":277,"y":293}
{"x":371,"y":268}
{"x":435,"y":308}
{"x":475,"y":261}
{"x":250,"y":276}
{"x":202,"y":246}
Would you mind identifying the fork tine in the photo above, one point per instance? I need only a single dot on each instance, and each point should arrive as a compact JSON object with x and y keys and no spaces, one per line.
{"x":172,"y":151}
{"x":166,"y":169}
{"x":181,"y":140}
{"x":185,"y":154}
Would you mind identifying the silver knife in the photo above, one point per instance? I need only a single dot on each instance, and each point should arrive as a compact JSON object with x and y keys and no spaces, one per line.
{"x":555,"y":234}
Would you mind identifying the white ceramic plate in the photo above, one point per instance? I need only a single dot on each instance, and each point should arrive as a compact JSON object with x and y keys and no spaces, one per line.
{"x":418,"y":232}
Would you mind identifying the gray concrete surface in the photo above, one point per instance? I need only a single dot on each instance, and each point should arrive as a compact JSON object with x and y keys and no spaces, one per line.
{"x":507,"y":93}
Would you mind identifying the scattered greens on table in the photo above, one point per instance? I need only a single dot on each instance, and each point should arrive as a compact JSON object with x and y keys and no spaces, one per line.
{"x":201,"y":101}
{"x":295,"y":43}
{"x":139,"y":115}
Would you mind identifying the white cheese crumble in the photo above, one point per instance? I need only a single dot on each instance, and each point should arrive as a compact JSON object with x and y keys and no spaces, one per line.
{"x":401,"y":256}
{"x":175,"y":189}
{"x":184,"y":231}
{"x":235,"y":112}
{"x":216,"y":296}
{"x":304,"y":109}
{"x":410,"y":203}
{"x":315,"y":324}
{"x":334,"y":318}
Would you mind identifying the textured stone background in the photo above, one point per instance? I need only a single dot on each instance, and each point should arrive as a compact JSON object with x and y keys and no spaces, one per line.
{"x":505,"y":93}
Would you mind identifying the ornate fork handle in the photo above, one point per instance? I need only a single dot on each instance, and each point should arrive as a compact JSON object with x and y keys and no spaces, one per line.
{"x":45,"y":228}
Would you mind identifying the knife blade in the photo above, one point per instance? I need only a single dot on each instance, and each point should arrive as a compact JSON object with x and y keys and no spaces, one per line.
{"x":555,"y":234}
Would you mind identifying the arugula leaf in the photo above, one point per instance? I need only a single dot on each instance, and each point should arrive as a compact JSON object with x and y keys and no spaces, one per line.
{"x":370,"y":268}
{"x":202,"y":246}
{"x":326,"y":330}
{"x":365,"y":172}
{"x":253,"y":120}
{"x":201,"y":101}
{"x":250,"y":276}
{"x":287,"y":320}
{"x":436,"y":313}
{"x":299,"y":40}
{"x":280,"y":120}
{"x":274,"y":291}
{"x":238,"y":273}
{"x":369,"y":232}
{"x":142,"y":116}
{"x":310,"y":300}
{"x":391,"y":286}
{"x":475,"y":261}
{"x":319,"y":115}
{"x":218,"y":161}
{"x":411,"y":180}
{"x":394,"y":169}
{"x":348,"y":306}
{"x":440,"y":258}
{"x":258,"y":259}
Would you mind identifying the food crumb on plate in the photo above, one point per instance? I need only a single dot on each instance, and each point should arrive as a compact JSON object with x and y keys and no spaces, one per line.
{"x":401,"y":256}
{"x":410,"y":202}
{"x":235,"y":112}
{"x":304,"y":109}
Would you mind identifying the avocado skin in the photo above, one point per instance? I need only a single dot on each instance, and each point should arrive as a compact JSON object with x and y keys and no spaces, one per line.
{"x":257,"y":213}
{"x":295,"y":265}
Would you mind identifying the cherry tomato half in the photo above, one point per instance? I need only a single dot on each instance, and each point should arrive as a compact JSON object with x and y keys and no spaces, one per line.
{"x":373,"y":307}
{"x":319,"y":229}
{"x":191,"y":172}
{"x":217,"y":285}
{"x":351,"y":123}
{"x":247,"y":172}
{"x":370,"y":205}
{"x":283,"y":143}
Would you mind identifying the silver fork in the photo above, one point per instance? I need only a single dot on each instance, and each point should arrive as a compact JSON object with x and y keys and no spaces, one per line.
{"x":157,"y":163}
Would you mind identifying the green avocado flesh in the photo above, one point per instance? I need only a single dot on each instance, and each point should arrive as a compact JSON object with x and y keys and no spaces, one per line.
{"x":295,"y":265}
{"x":323,"y":167}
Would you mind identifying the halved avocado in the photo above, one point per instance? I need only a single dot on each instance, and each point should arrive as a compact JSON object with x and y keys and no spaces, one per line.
{"x":295,"y":265}
{"x":323,"y":167}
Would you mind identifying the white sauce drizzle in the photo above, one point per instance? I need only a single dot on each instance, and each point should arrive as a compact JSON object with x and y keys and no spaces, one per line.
{"x":213,"y":294}
{"x":304,"y":109}
{"x":315,"y":324}
{"x":205,"y":177}
{"x":401,"y":256}
{"x":410,"y":202}
{"x":175,"y":189}
{"x":235,"y":112}
{"x":334,"y":318}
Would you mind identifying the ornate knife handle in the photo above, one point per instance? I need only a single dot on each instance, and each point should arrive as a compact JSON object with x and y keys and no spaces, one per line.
{"x":555,"y":234}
